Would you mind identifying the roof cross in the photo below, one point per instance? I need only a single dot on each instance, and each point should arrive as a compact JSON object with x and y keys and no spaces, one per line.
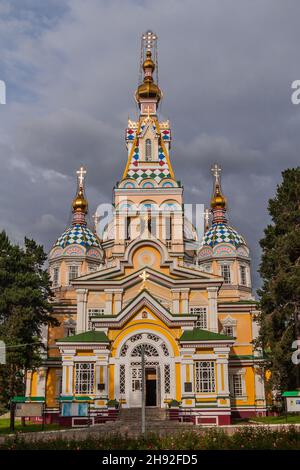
{"x":81,"y":175}
{"x":144,"y":276}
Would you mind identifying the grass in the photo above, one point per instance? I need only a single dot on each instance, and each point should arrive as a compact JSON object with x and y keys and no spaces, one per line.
{"x":30,"y":427}
{"x":290,"y":419}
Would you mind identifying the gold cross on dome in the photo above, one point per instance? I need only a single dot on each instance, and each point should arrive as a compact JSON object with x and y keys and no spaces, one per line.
{"x":81,"y":174}
{"x":144,"y":276}
{"x":148,"y":109}
{"x":216,"y":170}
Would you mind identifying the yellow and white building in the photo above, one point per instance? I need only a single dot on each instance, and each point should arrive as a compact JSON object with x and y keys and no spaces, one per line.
{"x":148,"y":282}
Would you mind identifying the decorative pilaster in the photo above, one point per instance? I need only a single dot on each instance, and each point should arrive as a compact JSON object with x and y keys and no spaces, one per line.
{"x":175,"y":301}
{"x":212,"y":309}
{"x":41,"y":382}
{"x":67,"y":378}
{"x":185,"y":301}
{"x":108,"y":301}
{"x":82,"y":320}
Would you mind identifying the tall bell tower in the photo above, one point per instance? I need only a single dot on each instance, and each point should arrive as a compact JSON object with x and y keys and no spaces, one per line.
{"x":148,"y":200}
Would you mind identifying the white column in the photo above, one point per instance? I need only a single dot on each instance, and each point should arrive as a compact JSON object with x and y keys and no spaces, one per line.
{"x":82,"y":320}
{"x":222,"y":370}
{"x":185,"y":301}
{"x":212,"y":309}
{"x":41,"y":383}
{"x":259,"y":385}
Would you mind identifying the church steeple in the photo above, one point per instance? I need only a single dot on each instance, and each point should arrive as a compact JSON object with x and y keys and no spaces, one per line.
{"x":80,"y":204}
{"x":218,"y":201}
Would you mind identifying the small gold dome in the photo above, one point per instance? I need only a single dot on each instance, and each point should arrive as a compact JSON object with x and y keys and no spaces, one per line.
{"x":148,"y":62}
{"x":80,"y":204}
{"x":218,"y":200}
{"x":148,"y":89}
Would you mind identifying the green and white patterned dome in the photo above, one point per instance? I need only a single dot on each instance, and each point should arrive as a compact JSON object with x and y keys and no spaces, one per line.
{"x":222,"y":233}
{"x":78,"y":234}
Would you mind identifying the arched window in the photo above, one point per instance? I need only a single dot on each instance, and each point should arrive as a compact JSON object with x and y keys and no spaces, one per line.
{"x":148,"y":150}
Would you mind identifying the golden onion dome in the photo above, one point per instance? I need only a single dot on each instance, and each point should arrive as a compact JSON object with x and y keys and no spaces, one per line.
{"x":148,"y":90}
{"x":218,"y":200}
{"x":80,"y":203}
{"x":148,"y":62}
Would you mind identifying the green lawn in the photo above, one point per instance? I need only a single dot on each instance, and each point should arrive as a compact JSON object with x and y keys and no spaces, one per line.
{"x":290,"y":419}
{"x":30,"y":427}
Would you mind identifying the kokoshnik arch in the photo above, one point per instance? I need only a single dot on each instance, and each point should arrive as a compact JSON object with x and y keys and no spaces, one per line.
{"x":190,"y":305}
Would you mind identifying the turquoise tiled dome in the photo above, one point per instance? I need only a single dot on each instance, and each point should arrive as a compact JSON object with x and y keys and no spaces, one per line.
{"x":78,"y":235}
{"x":222,"y":233}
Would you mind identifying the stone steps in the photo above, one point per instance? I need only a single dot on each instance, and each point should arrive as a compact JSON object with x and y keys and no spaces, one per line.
{"x":135,"y":414}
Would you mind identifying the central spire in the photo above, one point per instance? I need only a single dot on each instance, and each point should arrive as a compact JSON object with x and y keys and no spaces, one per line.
{"x":148,"y":93}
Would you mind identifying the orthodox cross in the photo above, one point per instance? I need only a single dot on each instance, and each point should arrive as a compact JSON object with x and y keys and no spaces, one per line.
{"x":144,"y":276}
{"x":81,"y":174}
{"x":149,"y":39}
{"x":216,"y":171}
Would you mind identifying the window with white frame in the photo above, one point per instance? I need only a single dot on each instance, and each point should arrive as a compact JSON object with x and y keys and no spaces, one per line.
{"x":243,"y":275}
{"x":201,"y":314}
{"x":237,"y":385}
{"x":94,"y":313}
{"x":122,"y":379}
{"x":228,"y":330}
{"x":205,"y":377}
{"x":84,"y":378}
{"x":70,"y":330}
{"x":55,"y":276}
{"x":167,"y":378}
{"x":73,"y":272}
{"x":225,"y":273}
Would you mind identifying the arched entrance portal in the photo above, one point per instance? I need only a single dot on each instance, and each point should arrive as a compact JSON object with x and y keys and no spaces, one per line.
{"x":158,"y":370}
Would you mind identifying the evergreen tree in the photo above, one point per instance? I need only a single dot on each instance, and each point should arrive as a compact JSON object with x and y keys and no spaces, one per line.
{"x":280,"y":292}
{"x":25,"y":296}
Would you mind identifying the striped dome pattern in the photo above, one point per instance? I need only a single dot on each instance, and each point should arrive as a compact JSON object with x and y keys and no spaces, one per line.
{"x":222,"y":233}
{"x":78,"y":235}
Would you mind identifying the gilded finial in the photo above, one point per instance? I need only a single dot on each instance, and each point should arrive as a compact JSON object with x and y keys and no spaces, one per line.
{"x":218,"y":201}
{"x":80,"y":204}
{"x":148,"y":90}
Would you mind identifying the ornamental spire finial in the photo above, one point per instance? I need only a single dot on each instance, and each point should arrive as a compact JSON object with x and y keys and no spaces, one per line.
{"x":80,"y":204}
{"x":148,"y":93}
{"x":218,"y":201}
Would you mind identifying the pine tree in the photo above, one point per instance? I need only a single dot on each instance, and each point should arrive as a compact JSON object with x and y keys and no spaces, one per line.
{"x":25,"y":306}
{"x":280,"y":292}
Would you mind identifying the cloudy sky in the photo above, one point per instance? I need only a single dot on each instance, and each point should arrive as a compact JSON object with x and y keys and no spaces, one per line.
{"x":71,"y":67}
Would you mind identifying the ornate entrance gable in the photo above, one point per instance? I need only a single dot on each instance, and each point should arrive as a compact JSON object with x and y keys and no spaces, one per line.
{"x":147,"y":301}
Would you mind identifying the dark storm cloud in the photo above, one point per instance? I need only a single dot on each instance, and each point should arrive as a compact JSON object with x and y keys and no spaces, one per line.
{"x":71,"y":68}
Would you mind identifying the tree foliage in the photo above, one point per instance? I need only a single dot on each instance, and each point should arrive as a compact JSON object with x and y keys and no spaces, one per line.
{"x":25,"y":307}
{"x":280,"y":292}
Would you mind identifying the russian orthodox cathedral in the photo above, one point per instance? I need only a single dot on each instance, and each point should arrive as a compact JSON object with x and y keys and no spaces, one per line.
{"x":147,"y":300}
